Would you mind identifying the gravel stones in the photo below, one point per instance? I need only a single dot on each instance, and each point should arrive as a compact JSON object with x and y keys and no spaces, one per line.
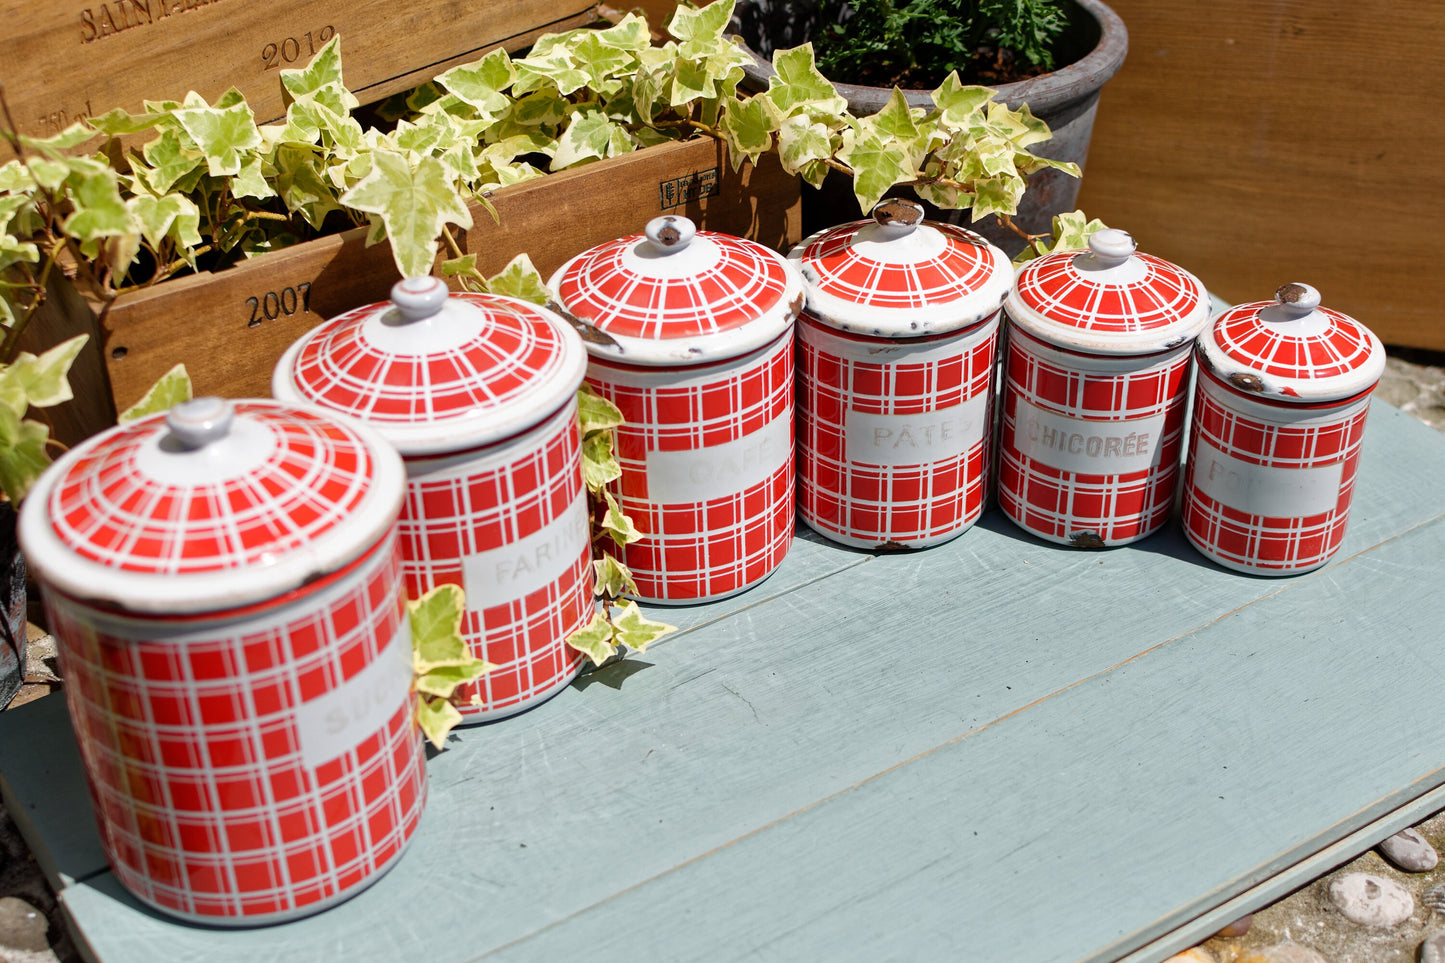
{"x":1409,"y":851}
{"x":1371,"y":900}
{"x":22,"y":926}
{"x":1433,"y":949}
{"x":1281,"y":953}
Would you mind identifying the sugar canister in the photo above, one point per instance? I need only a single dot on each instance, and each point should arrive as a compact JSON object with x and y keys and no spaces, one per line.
{"x":478,"y":393}
{"x":895,"y":377}
{"x":1279,"y":416}
{"x":690,"y":334}
{"x":224,"y":584}
{"x":1095,"y":389}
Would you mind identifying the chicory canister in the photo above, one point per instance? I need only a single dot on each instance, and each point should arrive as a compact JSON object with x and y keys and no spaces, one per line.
{"x":478,"y":393}
{"x":895,"y":377}
{"x":224,"y":584}
{"x":1094,"y":392}
{"x":690,"y":335}
{"x":1279,"y":415}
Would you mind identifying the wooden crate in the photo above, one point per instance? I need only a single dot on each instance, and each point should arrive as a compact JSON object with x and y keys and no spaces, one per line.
{"x":1261,"y":143}
{"x":64,"y":61}
{"x":230,"y":327}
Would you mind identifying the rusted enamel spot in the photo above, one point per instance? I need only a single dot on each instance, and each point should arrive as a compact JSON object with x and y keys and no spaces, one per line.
{"x":893,"y":546}
{"x":1246,"y":382}
{"x":897,"y":210}
{"x":589,"y":332}
{"x":1086,"y":540}
{"x":1291,"y":293}
{"x":669,"y":235}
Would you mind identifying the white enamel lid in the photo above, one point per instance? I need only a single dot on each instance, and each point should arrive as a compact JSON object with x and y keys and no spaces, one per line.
{"x":1109,"y":299}
{"x":1292,"y":349}
{"x":677,"y":296}
{"x":437,"y":372}
{"x":898,"y":276}
{"x":214,"y":505}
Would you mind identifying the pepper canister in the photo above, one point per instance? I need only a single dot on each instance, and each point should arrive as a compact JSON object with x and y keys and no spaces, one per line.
{"x":479,"y":394}
{"x":690,"y":335}
{"x":1279,"y":415}
{"x":224,"y":584}
{"x":1095,"y":389}
{"x":895,"y":377}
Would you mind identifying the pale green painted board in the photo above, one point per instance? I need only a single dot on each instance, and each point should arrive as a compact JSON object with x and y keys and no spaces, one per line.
{"x":768,"y":712}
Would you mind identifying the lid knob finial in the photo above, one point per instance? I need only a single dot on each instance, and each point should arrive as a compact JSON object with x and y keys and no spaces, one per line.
{"x":419,"y":298}
{"x":898,"y":215}
{"x":670,"y":233}
{"x":1297,"y":300}
{"x":1111,"y":246}
{"x":200,"y":421}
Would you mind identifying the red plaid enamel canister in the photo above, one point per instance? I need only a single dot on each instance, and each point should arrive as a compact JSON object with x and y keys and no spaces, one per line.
{"x":690,"y":335}
{"x":1279,"y":415}
{"x":1095,"y":389}
{"x":224,"y":583}
{"x":895,"y":383}
{"x":478,"y":393}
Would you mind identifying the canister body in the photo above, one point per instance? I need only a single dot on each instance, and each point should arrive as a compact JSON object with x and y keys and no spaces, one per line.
{"x":256,"y":765}
{"x":1269,"y":483}
{"x":708,"y":472}
{"x":1090,"y":445}
{"x":508,"y":523}
{"x":893,"y":434}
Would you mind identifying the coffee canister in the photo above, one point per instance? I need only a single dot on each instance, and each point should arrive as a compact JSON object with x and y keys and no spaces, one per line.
{"x":895,"y":377}
{"x":690,"y":334}
{"x":1095,"y":389}
{"x":478,"y":393}
{"x":224,"y":584}
{"x":1279,"y":415}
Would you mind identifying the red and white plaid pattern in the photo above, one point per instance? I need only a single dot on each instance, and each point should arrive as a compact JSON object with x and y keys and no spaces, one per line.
{"x":312,"y":475}
{"x":704,"y":548}
{"x":1098,"y":397}
{"x":611,"y":290}
{"x":516,"y":347}
{"x":933,"y":491}
{"x":251,"y":771}
{"x":1269,"y":459}
{"x":1158,"y":298}
{"x":485,"y":502}
{"x":836,"y":267}
{"x":1337,"y":348}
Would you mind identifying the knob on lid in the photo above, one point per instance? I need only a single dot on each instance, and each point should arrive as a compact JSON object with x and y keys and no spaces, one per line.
{"x":1293,"y":349}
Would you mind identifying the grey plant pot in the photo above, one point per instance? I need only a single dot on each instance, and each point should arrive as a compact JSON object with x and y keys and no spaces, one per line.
{"x":1066,"y":99}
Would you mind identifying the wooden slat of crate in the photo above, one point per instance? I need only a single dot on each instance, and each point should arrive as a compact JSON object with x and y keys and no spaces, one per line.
{"x":1261,"y":143}
{"x":61,"y":61}
{"x":229,"y":328}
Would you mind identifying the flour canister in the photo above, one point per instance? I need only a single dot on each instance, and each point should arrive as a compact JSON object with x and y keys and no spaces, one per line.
{"x":895,"y":377}
{"x":1279,"y":415}
{"x":690,"y":335}
{"x":1095,"y":389}
{"x":478,"y":393}
{"x":224,"y":583}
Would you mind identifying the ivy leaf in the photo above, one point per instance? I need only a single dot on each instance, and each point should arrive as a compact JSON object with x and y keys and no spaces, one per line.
{"x":601,"y":60}
{"x":22,"y":453}
{"x":169,"y":161}
{"x":799,"y":84}
{"x":436,"y":628}
{"x":173,"y":388}
{"x":594,"y":640}
{"x":556,"y":70}
{"x":595,"y":412}
{"x":588,"y":136}
{"x":162,"y":216}
{"x":443,"y":680}
{"x":629,"y":33}
{"x":481,"y":84}
{"x":119,"y":122}
{"x":320,"y":80}
{"x":520,"y":279}
{"x":748,"y":129}
{"x":222,"y":135}
{"x":613,"y":578}
{"x":708,"y":23}
{"x":44,"y":379}
{"x":959,"y":105}
{"x":99,"y":209}
{"x":1071,"y":232}
{"x":801,"y":141}
{"x":414,"y":202}
{"x":250,"y":180}
{"x":436,"y":718}
{"x":600,"y":466}
{"x":636,"y":630}
{"x":876,"y":167}
{"x":616,"y":523}
{"x":301,"y":185}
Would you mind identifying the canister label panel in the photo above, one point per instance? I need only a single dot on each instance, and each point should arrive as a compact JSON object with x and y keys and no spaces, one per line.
{"x":916,"y":439}
{"x":719,"y":471}
{"x":1264,"y":490}
{"x":1088,"y":447}
{"x":517,"y":569}
{"x":337,"y":722}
